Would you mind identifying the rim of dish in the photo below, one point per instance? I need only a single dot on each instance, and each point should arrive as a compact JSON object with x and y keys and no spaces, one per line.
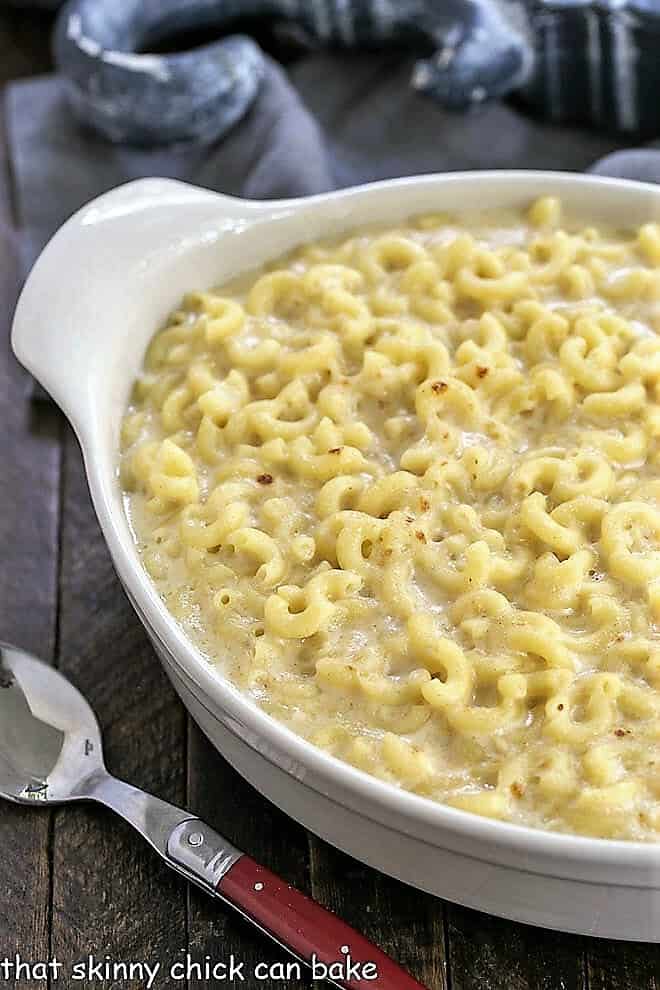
{"x":238,"y":706}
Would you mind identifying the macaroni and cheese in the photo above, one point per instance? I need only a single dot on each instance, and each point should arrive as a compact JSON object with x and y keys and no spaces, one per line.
{"x":404,"y":488}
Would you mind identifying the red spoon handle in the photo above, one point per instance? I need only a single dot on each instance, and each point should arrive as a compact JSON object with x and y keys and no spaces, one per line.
{"x":310,"y":931}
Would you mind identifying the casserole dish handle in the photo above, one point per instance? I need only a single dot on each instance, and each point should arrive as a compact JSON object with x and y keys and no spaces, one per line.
{"x":119,"y":260}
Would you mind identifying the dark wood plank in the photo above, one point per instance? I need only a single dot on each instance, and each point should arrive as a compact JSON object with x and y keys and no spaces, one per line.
{"x":487,"y":952}
{"x":405,"y":923}
{"x":29,"y":483}
{"x":24,"y":42}
{"x":219,"y":795}
{"x":111,"y":894}
{"x":623,"y":965}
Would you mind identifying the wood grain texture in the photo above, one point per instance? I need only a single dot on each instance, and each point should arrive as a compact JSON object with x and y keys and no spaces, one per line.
{"x":107,"y":893}
{"x":219,"y":795}
{"x":111,"y":893}
{"x":29,"y":483}
{"x":623,"y":965}
{"x":406,"y":923}
{"x":488,"y":953}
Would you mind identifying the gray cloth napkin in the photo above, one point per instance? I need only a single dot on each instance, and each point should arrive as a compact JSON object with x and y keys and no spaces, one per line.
{"x":334,"y":120}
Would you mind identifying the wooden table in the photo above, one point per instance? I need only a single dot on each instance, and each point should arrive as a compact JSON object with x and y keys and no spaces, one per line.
{"x":77,"y":881}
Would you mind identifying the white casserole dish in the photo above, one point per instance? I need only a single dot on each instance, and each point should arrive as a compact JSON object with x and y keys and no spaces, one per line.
{"x":100,"y":289}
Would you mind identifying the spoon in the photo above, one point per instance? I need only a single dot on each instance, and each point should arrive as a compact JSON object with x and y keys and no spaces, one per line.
{"x":51,"y":753}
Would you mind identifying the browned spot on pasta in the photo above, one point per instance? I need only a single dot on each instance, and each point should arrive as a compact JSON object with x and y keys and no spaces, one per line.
{"x":543,"y":424}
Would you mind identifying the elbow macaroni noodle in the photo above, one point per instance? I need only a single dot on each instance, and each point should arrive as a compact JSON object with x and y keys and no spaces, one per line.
{"x":405,"y":489}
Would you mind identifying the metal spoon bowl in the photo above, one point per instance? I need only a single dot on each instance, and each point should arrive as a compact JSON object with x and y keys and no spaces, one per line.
{"x":50,"y":745}
{"x":51,"y":753}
